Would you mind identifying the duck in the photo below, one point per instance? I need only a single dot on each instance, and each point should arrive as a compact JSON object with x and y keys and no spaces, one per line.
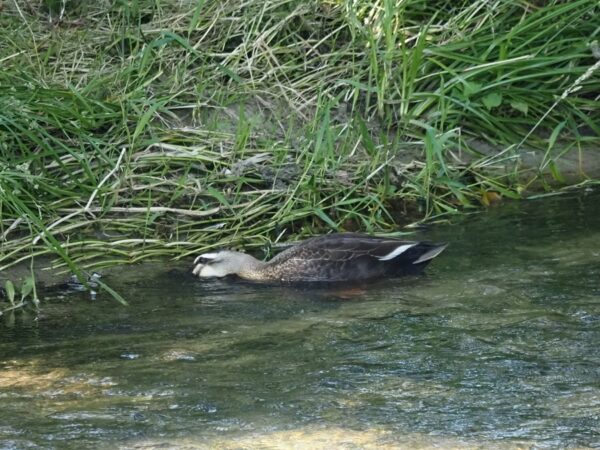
{"x":337,"y":257}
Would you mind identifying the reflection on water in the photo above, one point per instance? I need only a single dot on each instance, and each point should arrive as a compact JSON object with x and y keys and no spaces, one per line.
{"x":497,"y":346}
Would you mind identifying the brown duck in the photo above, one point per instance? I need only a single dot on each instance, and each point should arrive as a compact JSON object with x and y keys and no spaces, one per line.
{"x":329,"y":258}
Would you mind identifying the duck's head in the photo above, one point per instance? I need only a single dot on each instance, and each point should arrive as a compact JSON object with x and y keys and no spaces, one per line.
{"x":223,"y":263}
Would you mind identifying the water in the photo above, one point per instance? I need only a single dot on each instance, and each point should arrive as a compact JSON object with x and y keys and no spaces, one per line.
{"x":497,"y":346}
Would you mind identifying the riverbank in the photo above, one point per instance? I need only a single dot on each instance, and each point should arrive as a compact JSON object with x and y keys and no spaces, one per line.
{"x":163,"y":128}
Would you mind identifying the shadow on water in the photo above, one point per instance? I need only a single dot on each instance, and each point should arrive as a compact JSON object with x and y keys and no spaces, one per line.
{"x":497,"y":345}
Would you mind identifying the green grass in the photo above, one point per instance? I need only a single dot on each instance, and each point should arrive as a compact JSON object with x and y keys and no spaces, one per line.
{"x":161,"y":128}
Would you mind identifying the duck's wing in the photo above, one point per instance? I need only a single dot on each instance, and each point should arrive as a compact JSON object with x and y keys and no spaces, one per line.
{"x":346,"y":246}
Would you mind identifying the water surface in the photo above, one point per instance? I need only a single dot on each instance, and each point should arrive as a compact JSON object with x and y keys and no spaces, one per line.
{"x":497,"y":346}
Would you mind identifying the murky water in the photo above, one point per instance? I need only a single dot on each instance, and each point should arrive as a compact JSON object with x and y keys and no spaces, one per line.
{"x":498,"y":346}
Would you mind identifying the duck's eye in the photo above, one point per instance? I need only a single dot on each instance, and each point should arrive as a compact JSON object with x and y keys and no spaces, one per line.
{"x":203,"y":260}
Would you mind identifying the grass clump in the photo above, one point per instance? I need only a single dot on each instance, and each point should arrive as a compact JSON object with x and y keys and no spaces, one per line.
{"x":153,"y":128}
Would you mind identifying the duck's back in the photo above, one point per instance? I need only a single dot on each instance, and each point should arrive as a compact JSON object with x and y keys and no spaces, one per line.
{"x":350,"y":257}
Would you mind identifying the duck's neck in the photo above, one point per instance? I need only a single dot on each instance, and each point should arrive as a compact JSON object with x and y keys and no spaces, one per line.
{"x":252,"y":269}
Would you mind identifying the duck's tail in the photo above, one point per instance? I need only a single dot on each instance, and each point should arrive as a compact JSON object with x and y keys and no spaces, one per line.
{"x":430,"y":251}
{"x":415,"y":258}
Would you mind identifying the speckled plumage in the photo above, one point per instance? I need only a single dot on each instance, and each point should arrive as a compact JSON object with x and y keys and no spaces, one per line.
{"x":329,"y":258}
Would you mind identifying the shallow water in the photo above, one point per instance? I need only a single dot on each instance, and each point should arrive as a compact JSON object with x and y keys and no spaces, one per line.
{"x":497,"y":346}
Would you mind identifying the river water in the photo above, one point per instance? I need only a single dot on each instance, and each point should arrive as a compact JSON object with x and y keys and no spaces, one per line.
{"x":496,"y":346}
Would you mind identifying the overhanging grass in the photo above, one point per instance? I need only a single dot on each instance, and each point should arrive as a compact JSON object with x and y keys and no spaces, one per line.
{"x":131,"y":130}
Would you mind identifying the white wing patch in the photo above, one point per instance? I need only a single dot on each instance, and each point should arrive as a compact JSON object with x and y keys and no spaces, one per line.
{"x":397,"y":251}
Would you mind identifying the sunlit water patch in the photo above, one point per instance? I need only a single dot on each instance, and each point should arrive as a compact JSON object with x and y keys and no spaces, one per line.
{"x":498,"y":345}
